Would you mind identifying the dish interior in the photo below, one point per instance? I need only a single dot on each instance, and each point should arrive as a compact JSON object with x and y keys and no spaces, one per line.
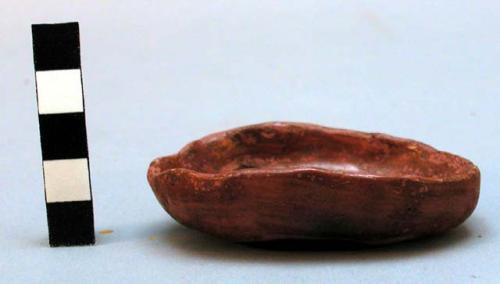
{"x":289,"y":147}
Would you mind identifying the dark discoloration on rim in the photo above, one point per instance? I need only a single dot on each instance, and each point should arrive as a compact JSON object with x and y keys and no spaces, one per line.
{"x":276,"y":181}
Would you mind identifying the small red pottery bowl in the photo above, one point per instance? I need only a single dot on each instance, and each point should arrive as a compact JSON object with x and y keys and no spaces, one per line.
{"x":283,"y":181}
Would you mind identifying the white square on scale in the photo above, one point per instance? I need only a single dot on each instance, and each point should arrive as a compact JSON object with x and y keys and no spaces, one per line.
{"x":59,"y":91}
{"x":66,"y":180}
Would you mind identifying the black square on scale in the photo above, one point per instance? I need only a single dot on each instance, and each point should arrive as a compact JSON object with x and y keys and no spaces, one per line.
{"x":56,"y":46}
{"x":71,"y":223}
{"x":63,"y":136}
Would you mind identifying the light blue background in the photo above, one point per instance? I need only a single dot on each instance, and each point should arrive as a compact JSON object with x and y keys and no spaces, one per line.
{"x":158,"y":74}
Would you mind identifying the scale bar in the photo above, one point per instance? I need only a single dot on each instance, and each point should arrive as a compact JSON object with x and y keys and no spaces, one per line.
{"x":63,"y":136}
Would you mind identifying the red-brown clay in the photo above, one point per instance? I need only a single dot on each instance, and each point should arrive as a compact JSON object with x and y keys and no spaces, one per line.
{"x":276,"y":181}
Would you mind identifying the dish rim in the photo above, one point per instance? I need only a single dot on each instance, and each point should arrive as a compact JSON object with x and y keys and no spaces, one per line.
{"x":469,"y":173}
